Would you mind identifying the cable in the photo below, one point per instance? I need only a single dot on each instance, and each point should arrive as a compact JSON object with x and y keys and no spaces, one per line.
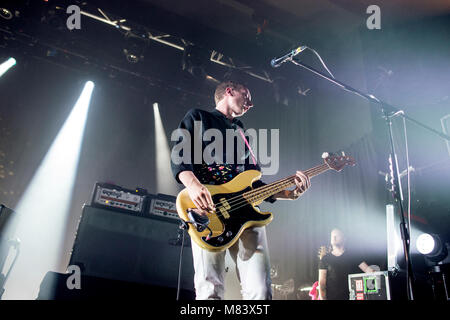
{"x":408,"y":225}
{"x":323,"y":63}
{"x":409,"y":196}
{"x":408,"y":176}
{"x":183,"y":226}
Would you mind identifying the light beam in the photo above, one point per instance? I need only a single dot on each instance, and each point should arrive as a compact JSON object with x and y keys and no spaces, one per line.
{"x":164,"y":181}
{"x":44,"y":206}
{"x":8,"y":64}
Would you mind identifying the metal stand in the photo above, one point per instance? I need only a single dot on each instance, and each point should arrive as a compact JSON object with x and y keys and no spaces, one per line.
{"x":181,"y":228}
{"x":439,"y":282}
{"x":388,"y":111}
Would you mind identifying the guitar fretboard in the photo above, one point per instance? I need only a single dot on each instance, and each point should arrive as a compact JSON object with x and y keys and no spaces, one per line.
{"x":264,"y":192}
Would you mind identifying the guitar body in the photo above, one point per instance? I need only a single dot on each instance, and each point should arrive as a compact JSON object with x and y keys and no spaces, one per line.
{"x":234,"y":212}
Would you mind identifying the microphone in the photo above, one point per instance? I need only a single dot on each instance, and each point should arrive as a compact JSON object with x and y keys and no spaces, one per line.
{"x":275,"y":63}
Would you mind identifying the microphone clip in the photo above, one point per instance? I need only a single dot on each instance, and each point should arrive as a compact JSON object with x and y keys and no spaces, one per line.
{"x":276,"y":62}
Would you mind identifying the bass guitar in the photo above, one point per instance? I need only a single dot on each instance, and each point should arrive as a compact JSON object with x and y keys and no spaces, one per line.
{"x":236,"y":205}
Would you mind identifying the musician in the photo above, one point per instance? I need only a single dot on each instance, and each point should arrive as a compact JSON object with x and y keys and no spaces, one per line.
{"x":250,"y":252}
{"x":335,"y":265}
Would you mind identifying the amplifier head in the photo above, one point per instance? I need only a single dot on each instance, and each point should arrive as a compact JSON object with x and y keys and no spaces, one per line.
{"x":114,"y":197}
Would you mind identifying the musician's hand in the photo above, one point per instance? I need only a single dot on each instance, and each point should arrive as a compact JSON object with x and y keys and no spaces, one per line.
{"x":198,"y":193}
{"x":302,"y":182}
{"x":201,"y":197}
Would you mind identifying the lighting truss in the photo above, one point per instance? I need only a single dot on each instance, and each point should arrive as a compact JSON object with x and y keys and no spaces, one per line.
{"x":174,"y":42}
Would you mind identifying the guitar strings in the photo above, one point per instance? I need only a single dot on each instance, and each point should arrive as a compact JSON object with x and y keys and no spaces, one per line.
{"x":240,"y":201}
{"x":261,"y":190}
{"x":243,"y":201}
{"x":282,"y":184}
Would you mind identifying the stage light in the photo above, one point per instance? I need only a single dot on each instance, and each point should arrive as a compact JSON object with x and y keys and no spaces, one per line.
{"x":132,"y":56}
{"x":425,"y":243}
{"x":194,"y":59}
{"x":432,"y":247}
{"x":6,"y":13}
{"x":45,"y":205}
{"x":134,"y":49}
{"x":8,"y":64}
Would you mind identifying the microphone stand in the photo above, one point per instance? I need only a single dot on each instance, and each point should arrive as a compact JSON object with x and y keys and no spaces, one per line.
{"x":389,"y":111}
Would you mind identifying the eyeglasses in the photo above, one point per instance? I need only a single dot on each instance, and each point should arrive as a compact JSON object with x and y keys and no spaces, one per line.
{"x":248,"y":98}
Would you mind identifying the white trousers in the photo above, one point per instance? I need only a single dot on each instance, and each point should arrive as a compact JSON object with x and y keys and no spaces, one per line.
{"x":251,"y":255}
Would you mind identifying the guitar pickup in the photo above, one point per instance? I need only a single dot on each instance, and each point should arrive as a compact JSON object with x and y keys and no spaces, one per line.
{"x":224,"y":207}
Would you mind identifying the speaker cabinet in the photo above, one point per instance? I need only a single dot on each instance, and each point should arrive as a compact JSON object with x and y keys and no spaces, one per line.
{"x":121,"y":246}
{"x":54,"y":287}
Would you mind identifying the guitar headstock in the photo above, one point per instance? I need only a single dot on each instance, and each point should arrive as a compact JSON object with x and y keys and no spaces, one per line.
{"x":338,"y":162}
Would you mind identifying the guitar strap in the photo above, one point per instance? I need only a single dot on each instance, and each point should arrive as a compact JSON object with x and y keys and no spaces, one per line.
{"x":248,"y":146}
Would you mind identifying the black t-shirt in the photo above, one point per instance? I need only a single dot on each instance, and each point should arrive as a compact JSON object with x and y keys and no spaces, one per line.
{"x":195,"y":123}
{"x":338,"y":269}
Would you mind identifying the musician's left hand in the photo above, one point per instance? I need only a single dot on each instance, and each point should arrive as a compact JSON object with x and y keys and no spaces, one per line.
{"x":302,"y":182}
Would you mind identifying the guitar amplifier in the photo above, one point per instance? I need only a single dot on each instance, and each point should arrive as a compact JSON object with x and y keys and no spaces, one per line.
{"x":369,"y":286}
{"x":125,"y":247}
{"x":113,"y":197}
{"x":163,"y":206}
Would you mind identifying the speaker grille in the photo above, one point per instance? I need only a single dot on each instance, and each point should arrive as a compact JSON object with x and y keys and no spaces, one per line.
{"x":125,"y":247}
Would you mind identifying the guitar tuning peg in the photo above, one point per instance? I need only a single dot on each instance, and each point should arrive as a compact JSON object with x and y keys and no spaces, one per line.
{"x":325,"y":155}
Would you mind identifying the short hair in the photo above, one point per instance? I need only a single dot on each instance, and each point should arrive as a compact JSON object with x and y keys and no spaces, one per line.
{"x":340,"y":230}
{"x":222,"y":87}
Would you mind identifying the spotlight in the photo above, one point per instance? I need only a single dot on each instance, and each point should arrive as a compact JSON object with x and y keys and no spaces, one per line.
{"x":6,"y":14}
{"x":8,"y":64}
{"x":194,"y":59}
{"x":425,"y":243}
{"x":134,"y":50}
{"x":435,"y":252}
{"x":131,"y":56}
{"x":432,"y":247}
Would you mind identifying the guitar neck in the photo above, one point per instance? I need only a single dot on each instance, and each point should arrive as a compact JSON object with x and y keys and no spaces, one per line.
{"x":268,"y":190}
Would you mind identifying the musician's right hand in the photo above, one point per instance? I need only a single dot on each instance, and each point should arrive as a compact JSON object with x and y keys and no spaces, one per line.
{"x":201,"y":197}
{"x":199,"y":194}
